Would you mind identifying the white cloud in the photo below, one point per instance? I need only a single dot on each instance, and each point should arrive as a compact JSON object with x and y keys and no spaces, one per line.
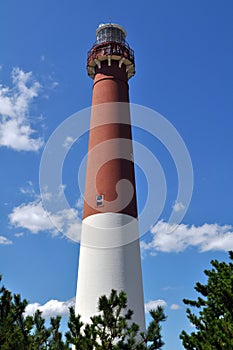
{"x":153,"y":304}
{"x":33,"y":217}
{"x":176,"y":238}
{"x":73,"y":230}
{"x":15,"y":129}
{"x":178,"y":206}
{"x":54,"y":307}
{"x":31,"y":309}
{"x":28,"y":189}
{"x":168,"y":288}
{"x":175,"y":307}
{"x":80,"y":202}
{"x":68,"y":142}
{"x":19,"y":234}
{"x":54,"y":84}
{"x":68,"y":222}
{"x":51,"y":309}
{"x":61,"y":190}
{"x":5,"y":241}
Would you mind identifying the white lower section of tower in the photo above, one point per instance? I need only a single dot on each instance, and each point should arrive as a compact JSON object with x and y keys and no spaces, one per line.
{"x":109,"y":259}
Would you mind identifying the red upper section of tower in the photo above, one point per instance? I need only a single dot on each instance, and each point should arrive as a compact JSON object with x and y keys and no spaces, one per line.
{"x":110,"y":180}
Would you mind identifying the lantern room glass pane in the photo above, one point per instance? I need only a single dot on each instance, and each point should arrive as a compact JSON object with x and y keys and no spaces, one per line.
{"x":110,"y":34}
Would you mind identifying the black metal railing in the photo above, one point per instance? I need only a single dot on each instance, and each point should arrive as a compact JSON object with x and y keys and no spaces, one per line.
{"x":110,"y":48}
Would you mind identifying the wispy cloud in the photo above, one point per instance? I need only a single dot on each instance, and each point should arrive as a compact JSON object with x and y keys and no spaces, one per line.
{"x":153,"y":304}
{"x":54,"y":307}
{"x":80,"y":202}
{"x":68,"y":142}
{"x":28,"y":189}
{"x":171,"y":288}
{"x":176,"y":238}
{"x":178,"y":206}
{"x":33,"y":217}
{"x":15,"y":128}
{"x":51,"y":309}
{"x":175,"y":307}
{"x":19,"y":234}
{"x":5,"y":241}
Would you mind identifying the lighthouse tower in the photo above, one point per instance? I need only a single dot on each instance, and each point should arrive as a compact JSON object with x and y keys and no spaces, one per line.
{"x":109,"y":250}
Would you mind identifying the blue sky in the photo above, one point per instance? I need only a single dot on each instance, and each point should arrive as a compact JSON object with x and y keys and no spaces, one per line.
{"x":184,"y":53}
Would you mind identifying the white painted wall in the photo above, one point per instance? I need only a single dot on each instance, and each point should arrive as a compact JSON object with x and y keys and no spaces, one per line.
{"x":109,"y":259}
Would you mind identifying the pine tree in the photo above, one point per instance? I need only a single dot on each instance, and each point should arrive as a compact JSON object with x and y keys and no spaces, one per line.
{"x":214,"y":322}
{"x":113,"y":329}
{"x":20,"y":332}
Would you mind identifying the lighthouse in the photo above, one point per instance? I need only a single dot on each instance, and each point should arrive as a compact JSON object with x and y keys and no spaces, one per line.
{"x":109,"y":248}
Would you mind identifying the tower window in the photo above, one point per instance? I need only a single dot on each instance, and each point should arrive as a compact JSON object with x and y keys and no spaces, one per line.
{"x":99,"y":200}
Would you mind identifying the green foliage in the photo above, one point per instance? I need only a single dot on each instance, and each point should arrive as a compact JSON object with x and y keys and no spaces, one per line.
{"x":26,"y":333}
{"x":214,"y":323}
{"x":41,"y":333}
{"x":113,"y":329}
{"x":153,"y":336}
{"x":14,"y":329}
